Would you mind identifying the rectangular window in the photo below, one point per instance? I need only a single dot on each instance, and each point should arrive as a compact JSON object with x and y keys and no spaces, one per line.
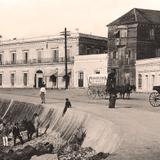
{"x":39,"y":56}
{"x":25,"y":79}
{"x":81,"y":74}
{"x":25,"y":57}
{"x":55,"y":55}
{"x":114,"y":55}
{"x":0,"y":79}
{"x":123,"y":33}
{"x":12,"y":79}
{"x":151,"y":34}
{"x":13,"y":58}
{"x":0,"y":58}
{"x":139,"y":81}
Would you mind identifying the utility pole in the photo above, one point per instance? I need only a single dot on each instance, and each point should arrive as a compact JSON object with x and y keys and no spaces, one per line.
{"x":66,"y":33}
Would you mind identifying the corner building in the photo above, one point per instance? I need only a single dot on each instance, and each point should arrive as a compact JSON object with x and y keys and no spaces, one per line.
{"x":133,"y":36}
{"x":26,"y":63}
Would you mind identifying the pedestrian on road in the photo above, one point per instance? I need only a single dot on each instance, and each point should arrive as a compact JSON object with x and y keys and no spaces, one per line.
{"x":43,"y":93}
{"x":111,"y":88}
{"x":16,"y":133}
{"x":36,"y":123}
{"x":67,"y":105}
{"x":5,"y":133}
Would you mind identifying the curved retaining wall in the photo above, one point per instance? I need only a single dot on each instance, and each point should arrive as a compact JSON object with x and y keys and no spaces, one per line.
{"x":101,"y":135}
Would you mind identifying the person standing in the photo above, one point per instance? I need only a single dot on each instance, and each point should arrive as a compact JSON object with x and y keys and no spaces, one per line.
{"x":111,"y":88}
{"x":16,"y":133}
{"x":5,"y":133}
{"x":67,"y":105}
{"x":36,"y":123}
{"x":43,"y":93}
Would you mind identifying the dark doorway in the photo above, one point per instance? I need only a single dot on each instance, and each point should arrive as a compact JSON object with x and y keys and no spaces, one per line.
{"x":80,"y":79}
{"x":40,"y":82}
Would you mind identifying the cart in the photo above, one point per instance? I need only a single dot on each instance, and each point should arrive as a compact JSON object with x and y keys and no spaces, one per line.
{"x":154,"y":97}
{"x":97,"y":86}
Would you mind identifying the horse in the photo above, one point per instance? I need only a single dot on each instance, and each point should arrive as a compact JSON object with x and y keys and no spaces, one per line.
{"x":28,"y":125}
{"x":125,"y":89}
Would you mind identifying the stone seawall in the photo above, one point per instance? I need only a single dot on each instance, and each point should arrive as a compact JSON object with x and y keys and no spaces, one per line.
{"x":101,"y":135}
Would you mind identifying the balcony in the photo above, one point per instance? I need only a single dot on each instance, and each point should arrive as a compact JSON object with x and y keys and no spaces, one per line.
{"x":38,"y":61}
{"x":120,"y":41}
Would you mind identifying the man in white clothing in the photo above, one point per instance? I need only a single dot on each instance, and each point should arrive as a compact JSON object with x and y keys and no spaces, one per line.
{"x":43,"y":94}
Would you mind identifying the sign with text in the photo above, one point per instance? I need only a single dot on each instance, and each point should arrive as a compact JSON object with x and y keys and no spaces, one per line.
{"x":97,"y":79}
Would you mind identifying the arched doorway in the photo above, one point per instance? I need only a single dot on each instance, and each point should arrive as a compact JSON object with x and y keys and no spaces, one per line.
{"x":38,"y":78}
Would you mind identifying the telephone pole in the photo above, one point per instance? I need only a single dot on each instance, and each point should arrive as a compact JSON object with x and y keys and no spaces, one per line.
{"x":66,"y":33}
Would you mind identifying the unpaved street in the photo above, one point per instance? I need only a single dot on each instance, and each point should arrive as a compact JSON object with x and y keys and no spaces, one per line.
{"x":137,"y":121}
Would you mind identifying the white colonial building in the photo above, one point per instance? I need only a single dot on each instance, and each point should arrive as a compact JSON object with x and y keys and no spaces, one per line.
{"x":86,"y":65}
{"x":29,"y":62}
{"x":147,"y":74}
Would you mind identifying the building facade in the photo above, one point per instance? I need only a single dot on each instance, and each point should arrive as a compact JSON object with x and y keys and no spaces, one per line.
{"x":147,"y":74}
{"x":134,"y":36}
{"x":26,"y":63}
{"x":86,"y":65}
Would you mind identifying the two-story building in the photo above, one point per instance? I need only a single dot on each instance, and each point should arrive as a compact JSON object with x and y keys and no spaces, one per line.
{"x":133,"y":36}
{"x":29,"y":62}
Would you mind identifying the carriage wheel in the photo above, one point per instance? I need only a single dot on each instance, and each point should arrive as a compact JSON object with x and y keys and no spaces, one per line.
{"x":154,"y":99}
{"x":91,"y":93}
{"x":103,"y":94}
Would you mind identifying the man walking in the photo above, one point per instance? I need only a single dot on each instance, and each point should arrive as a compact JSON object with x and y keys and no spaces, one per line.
{"x":67,"y":105}
{"x":43,"y":93}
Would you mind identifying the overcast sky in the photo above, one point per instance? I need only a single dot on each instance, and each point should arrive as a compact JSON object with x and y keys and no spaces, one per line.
{"x":28,"y":18}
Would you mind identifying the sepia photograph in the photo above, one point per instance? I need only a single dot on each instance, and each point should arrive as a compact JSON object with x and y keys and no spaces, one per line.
{"x":79,"y":80}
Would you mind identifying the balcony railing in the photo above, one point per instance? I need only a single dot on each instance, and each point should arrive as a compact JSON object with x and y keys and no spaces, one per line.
{"x":38,"y":61}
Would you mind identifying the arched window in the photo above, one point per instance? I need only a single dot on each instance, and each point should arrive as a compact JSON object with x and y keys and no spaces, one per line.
{"x":139,"y":81}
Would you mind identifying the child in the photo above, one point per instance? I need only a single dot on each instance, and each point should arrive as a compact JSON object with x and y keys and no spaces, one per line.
{"x":5,"y":132}
{"x":67,"y":105}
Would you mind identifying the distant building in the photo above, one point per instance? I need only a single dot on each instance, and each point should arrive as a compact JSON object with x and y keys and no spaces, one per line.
{"x":26,"y":63}
{"x":85,"y":65}
{"x":133,"y":36}
{"x":147,"y":74}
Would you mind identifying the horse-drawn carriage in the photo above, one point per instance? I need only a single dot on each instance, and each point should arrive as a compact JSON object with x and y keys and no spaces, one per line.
{"x":97,"y":88}
{"x":154,"y":97}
